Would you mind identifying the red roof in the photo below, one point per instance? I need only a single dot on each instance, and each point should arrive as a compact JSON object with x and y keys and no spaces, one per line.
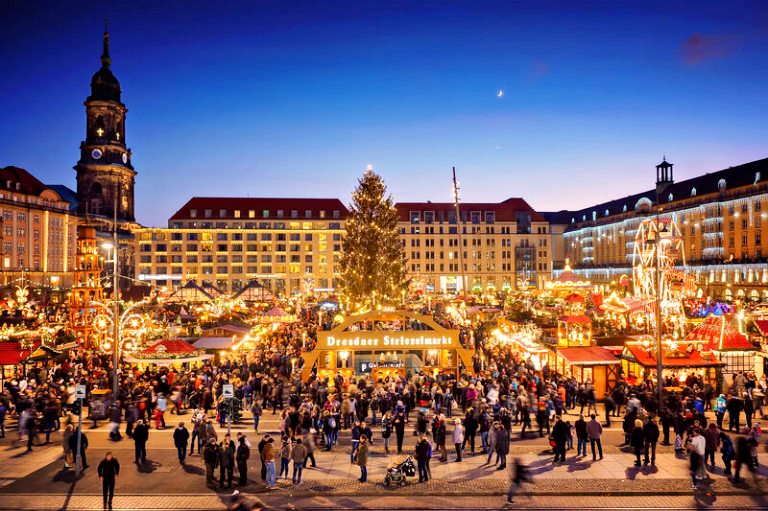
{"x":28,"y":183}
{"x":762,"y":326}
{"x":574,"y":298}
{"x":505,"y":211}
{"x":11,"y":353}
{"x":259,"y":205}
{"x":575,"y":319}
{"x":170,"y":346}
{"x":588,"y":355}
{"x":719,"y":333}
{"x":678,"y":358}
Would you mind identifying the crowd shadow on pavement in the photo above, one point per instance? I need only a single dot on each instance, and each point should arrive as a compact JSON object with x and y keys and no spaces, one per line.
{"x":148,"y":467}
{"x":193,"y":469}
{"x":632,"y":472}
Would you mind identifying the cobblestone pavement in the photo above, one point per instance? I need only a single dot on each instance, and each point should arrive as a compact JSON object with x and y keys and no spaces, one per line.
{"x":35,"y":481}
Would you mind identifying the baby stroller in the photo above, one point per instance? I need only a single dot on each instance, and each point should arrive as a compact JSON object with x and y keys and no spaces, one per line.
{"x":399,"y":470}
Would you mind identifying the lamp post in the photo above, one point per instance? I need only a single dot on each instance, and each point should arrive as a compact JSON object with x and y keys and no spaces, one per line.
{"x":115,"y":312}
{"x":458,"y":234}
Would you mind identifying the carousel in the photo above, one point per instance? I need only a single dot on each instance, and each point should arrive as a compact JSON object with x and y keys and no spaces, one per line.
{"x":168,"y":352}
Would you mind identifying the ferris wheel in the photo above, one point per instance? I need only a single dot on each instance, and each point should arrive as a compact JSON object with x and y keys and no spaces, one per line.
{"x":658,"y":243}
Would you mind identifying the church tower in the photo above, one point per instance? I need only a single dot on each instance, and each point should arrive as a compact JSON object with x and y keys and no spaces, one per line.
{"x":105,"y":176}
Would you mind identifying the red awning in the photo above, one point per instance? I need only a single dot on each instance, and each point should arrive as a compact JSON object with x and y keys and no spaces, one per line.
{"x":588,"y":355}
{"x":719,"y":333}
{"x":762,"y":326}
{"x":11,"y":354}
{"x":678,"y":358}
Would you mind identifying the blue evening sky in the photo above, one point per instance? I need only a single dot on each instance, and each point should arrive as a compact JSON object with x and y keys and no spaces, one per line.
{"x":286,"y":98}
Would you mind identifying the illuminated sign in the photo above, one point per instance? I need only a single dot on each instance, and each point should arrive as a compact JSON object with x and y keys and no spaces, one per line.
{"x":409,"y":339}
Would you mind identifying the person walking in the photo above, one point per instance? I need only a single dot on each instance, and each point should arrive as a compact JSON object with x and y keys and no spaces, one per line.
{"x":361,"y":458}
{"x":108,"y":470}
{"x":211,"y":459}
{"x":309,"y":444}
{"x":712,"y":439}
{"x":651,"y":435}
{"x":180,"y":440}
{"x":458,"y":438}
{"x":581,"y":436}
{"x":299,"y":456}
{"x":140,"y":438}
{"x":727,"y":451}
{"x":595,"y":431}
{"x":241,"y":456}
{"x":696,"y":449}
{"x":257,"y":411}
{"x":502,"y":446}
{"x":83,"y":446}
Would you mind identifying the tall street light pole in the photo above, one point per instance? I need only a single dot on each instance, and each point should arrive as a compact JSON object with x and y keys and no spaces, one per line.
{"x":458,"y":234}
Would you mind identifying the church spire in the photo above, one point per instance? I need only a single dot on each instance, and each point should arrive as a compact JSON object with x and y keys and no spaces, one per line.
{"x":106,"y":62}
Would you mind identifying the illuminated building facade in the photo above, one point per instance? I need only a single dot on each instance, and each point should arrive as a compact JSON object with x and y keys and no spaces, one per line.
{"x":722,"y":216}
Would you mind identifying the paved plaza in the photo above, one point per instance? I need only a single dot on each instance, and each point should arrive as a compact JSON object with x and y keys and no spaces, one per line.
{"x":37,"y":480}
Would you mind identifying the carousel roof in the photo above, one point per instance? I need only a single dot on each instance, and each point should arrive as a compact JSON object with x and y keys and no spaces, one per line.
{"x":574,"y":298}
{"x":680,"y":357}
{"x":718,"y":333}
{"x":169,"y":347}
{"x":190,"y":292}
{"x":588,"y":355}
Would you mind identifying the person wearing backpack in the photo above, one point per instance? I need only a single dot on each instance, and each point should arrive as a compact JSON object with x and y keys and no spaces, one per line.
{"x":386,"y":429}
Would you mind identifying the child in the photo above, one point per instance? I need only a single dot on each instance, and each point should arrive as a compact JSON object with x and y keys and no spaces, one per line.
{"x":570,"y":435}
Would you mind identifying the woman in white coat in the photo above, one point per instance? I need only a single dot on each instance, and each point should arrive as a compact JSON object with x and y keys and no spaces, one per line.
{"x":458,"y":438}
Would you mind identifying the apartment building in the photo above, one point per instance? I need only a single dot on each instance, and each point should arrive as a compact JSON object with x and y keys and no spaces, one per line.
{"x":288,"y":245}
{"x":502,"y":246}
{"x":37,"y":229}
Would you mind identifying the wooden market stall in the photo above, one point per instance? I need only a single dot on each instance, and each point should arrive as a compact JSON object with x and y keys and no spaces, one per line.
{"x":386,"y":343}
{"x":679,"y":359}
{"x":720,"y":336}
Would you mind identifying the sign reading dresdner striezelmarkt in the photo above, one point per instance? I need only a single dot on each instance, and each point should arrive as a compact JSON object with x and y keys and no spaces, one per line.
{"x":388,"y":340}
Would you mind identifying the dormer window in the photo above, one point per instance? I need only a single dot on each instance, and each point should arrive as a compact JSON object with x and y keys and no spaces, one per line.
{"x":693,"y":192}
{"x":721,"y":185}
{"x":606,"y":212}
{"x":670,"y":197}
{"x":757,"y":177}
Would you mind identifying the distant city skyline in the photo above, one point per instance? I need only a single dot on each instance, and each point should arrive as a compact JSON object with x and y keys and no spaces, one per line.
{"x":565,"y":104}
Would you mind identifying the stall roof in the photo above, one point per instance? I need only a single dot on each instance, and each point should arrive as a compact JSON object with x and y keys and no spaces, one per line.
{"x":170,"y":346}
{"x":575,"y":319}
{"x":11,"y":353}
{"x":718,"y":333}
{"x":213,"y":343}
{"x":588,"y":355}
{"x":678,"y":358}
{"x":762,"y":326}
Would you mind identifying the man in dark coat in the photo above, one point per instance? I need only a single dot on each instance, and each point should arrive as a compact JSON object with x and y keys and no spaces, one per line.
{"x":140,"y":437}
{"x":108,"y":470}
{"x":226,"y":461}
{"x":560,"y":436}
{"x":83,"y":446}
{"x":241,"y":456}
{"x":180,"y":440}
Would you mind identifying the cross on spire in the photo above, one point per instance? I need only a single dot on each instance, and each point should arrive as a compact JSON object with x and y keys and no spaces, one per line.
{"x":106,"y":61}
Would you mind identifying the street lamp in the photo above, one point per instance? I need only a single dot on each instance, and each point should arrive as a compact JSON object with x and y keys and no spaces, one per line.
{"x":116,"y":311}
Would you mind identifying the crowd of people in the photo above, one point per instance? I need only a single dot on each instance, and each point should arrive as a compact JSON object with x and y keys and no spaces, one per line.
{"x":451,"y":415}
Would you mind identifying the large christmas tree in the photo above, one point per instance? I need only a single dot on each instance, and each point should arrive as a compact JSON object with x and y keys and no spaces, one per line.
{"x":372,"y":260}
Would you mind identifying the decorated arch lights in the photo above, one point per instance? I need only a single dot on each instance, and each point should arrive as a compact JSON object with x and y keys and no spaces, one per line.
{"x":132,"y":327}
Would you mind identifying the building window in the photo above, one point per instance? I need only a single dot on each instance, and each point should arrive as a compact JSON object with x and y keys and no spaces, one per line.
{"x":265,"y":214}
{"x":237,"y":213}
{"x":693,"y":192}
{"x":721,"y":185}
